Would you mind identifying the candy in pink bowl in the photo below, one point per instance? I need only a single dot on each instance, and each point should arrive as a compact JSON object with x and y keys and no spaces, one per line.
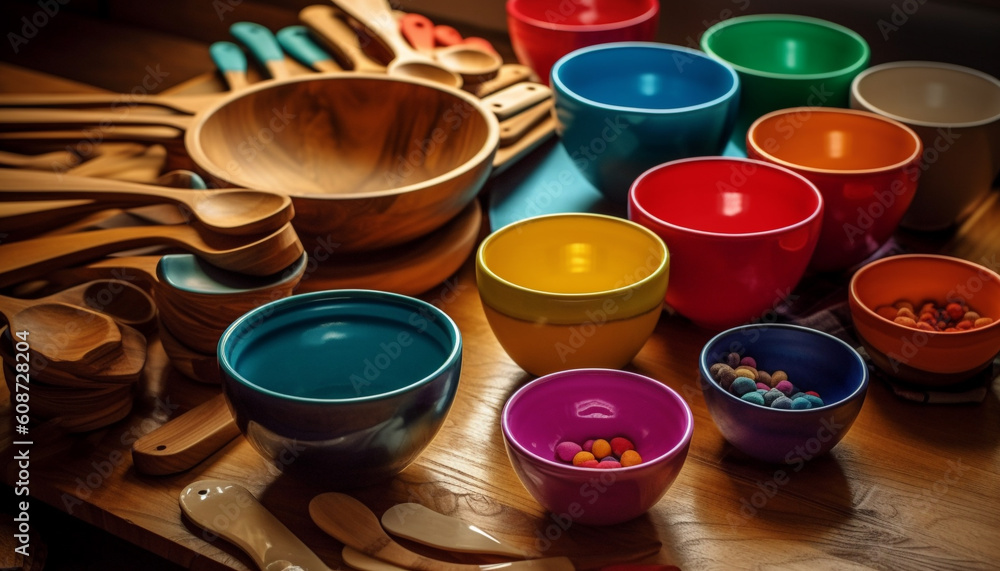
{"x":581,"y":404}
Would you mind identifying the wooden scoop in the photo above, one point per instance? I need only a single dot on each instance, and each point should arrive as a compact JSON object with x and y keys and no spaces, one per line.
{"x":353,"y":524}
{"x":69,"y":337}
{"x":255,"y":255}
{"x":424,"y":525}
{"x":234,"y":211}
{"x":186,"y":440}
{"x":271,"y":545}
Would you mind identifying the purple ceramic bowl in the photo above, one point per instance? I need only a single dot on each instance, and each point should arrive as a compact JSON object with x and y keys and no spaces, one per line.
{"x":582,"y":404}
{"x":815,"y":361}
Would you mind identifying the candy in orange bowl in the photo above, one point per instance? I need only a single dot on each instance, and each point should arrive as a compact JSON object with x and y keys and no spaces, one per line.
{"x":922,"y":356}
{"x":569,"y":291}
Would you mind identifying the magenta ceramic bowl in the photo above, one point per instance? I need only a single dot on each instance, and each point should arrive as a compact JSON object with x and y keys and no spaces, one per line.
{"x":582,"y":404}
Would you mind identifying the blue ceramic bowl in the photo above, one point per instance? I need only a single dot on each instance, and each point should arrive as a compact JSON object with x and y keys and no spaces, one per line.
{"x":346,"y":386}
{"x":626,"y":107}
{"x":814,"y":361}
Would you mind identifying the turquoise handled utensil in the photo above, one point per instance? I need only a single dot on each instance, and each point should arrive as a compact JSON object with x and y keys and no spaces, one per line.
{"x":297,"y":42}
{"x":232,"y":62}
{"x":264,"y":47}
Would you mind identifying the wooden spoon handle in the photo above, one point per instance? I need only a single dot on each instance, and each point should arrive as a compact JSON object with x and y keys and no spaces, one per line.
{"x":185,"y":440}
{"x":30,"y":185}
{"x":516,"y":98}
{"x":32,"y":258}
{"x":338,"y":37}
{"x":376,"y":15}
{"x":26,"y":119}
{"x":507,"y":156}
{"x":113,"y":100}
{"x":231,"y":511}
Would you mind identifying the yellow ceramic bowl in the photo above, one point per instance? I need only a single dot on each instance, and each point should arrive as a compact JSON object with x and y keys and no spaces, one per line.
{"x":569,"y":291}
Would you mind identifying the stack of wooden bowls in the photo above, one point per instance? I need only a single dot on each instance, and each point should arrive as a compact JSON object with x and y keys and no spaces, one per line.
{"x":91,"y":392}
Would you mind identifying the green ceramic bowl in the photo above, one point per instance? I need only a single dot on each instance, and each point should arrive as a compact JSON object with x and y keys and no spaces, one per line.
{"x":786,"y":61}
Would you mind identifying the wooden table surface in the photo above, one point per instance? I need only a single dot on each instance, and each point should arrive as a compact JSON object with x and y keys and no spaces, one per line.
{"x":911,"y":486}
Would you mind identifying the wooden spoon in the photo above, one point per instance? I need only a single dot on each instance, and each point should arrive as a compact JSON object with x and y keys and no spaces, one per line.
{"x":55,"y":160}
{"x":72,"y":338}
{"x":184,"y":104}
{"x":353,"y":524}
{"x":338,"y":37}
{"x":251,"y":527}
{"x":376,"y":16}
{"x":426,"y":526}
{"x":185,"y":440}
{"x":254,"y":255}
{"x":234,"y":211}
{"x":122,"y":301}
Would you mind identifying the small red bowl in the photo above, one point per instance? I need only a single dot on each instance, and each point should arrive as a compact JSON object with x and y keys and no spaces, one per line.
{"x":542,"y":31}
{"x":740,"y":234}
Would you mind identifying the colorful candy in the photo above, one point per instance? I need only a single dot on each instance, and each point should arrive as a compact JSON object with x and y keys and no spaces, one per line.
{"x":760,"y":387}
{"x":954,"y":316}
{"x":599,"y":453}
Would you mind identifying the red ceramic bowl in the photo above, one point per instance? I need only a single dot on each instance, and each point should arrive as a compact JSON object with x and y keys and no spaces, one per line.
{"x":542,"y":31}
{"x":928,"y":358}
{"x":582,"y":404}
{"x":867,"y":167}
{"x":740,"y":234}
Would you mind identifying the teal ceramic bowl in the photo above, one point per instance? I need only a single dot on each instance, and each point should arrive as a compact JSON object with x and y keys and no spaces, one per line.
{"x":343,"y":387}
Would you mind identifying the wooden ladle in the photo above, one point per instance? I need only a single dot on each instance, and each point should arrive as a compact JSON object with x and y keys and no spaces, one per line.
{"x":234,"y":211}
{"x":69,"y":337}
{"x":255,"y":255}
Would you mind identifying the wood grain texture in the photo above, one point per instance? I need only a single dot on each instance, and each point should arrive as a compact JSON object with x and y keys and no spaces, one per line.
{"x":186,"y":440}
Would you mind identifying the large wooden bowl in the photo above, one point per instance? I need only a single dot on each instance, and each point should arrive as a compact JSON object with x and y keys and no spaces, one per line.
{"x":370,"y":161}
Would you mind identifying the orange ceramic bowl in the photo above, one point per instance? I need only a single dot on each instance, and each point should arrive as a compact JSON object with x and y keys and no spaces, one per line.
{"x":927,"y":358}
{"x":866,"y":166}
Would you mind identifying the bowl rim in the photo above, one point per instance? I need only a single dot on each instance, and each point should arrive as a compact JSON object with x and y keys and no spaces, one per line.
{"x":483,"y":156}
{"x":233,"y":335}
{"x":557,"y":376}
{"x":513,"y":10}
{"x":916,"y":64}
{"x":663,"y":267}
{"x":559,"y":87}
{"x":852,"y":292}
{"x":706,"y":377}
{"x":914,"y":156}
{"x":817,"y":214}
{"x":860,"y":63}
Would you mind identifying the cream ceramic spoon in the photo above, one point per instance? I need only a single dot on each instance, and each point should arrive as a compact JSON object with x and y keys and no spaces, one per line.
{"x":424,"y":525}
{"x":271,"y":545}
{"x":233,"y":211}
{"x":353,"y":524}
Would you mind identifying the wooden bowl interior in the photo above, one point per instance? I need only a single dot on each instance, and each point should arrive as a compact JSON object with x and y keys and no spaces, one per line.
{"x":341,"y":135}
